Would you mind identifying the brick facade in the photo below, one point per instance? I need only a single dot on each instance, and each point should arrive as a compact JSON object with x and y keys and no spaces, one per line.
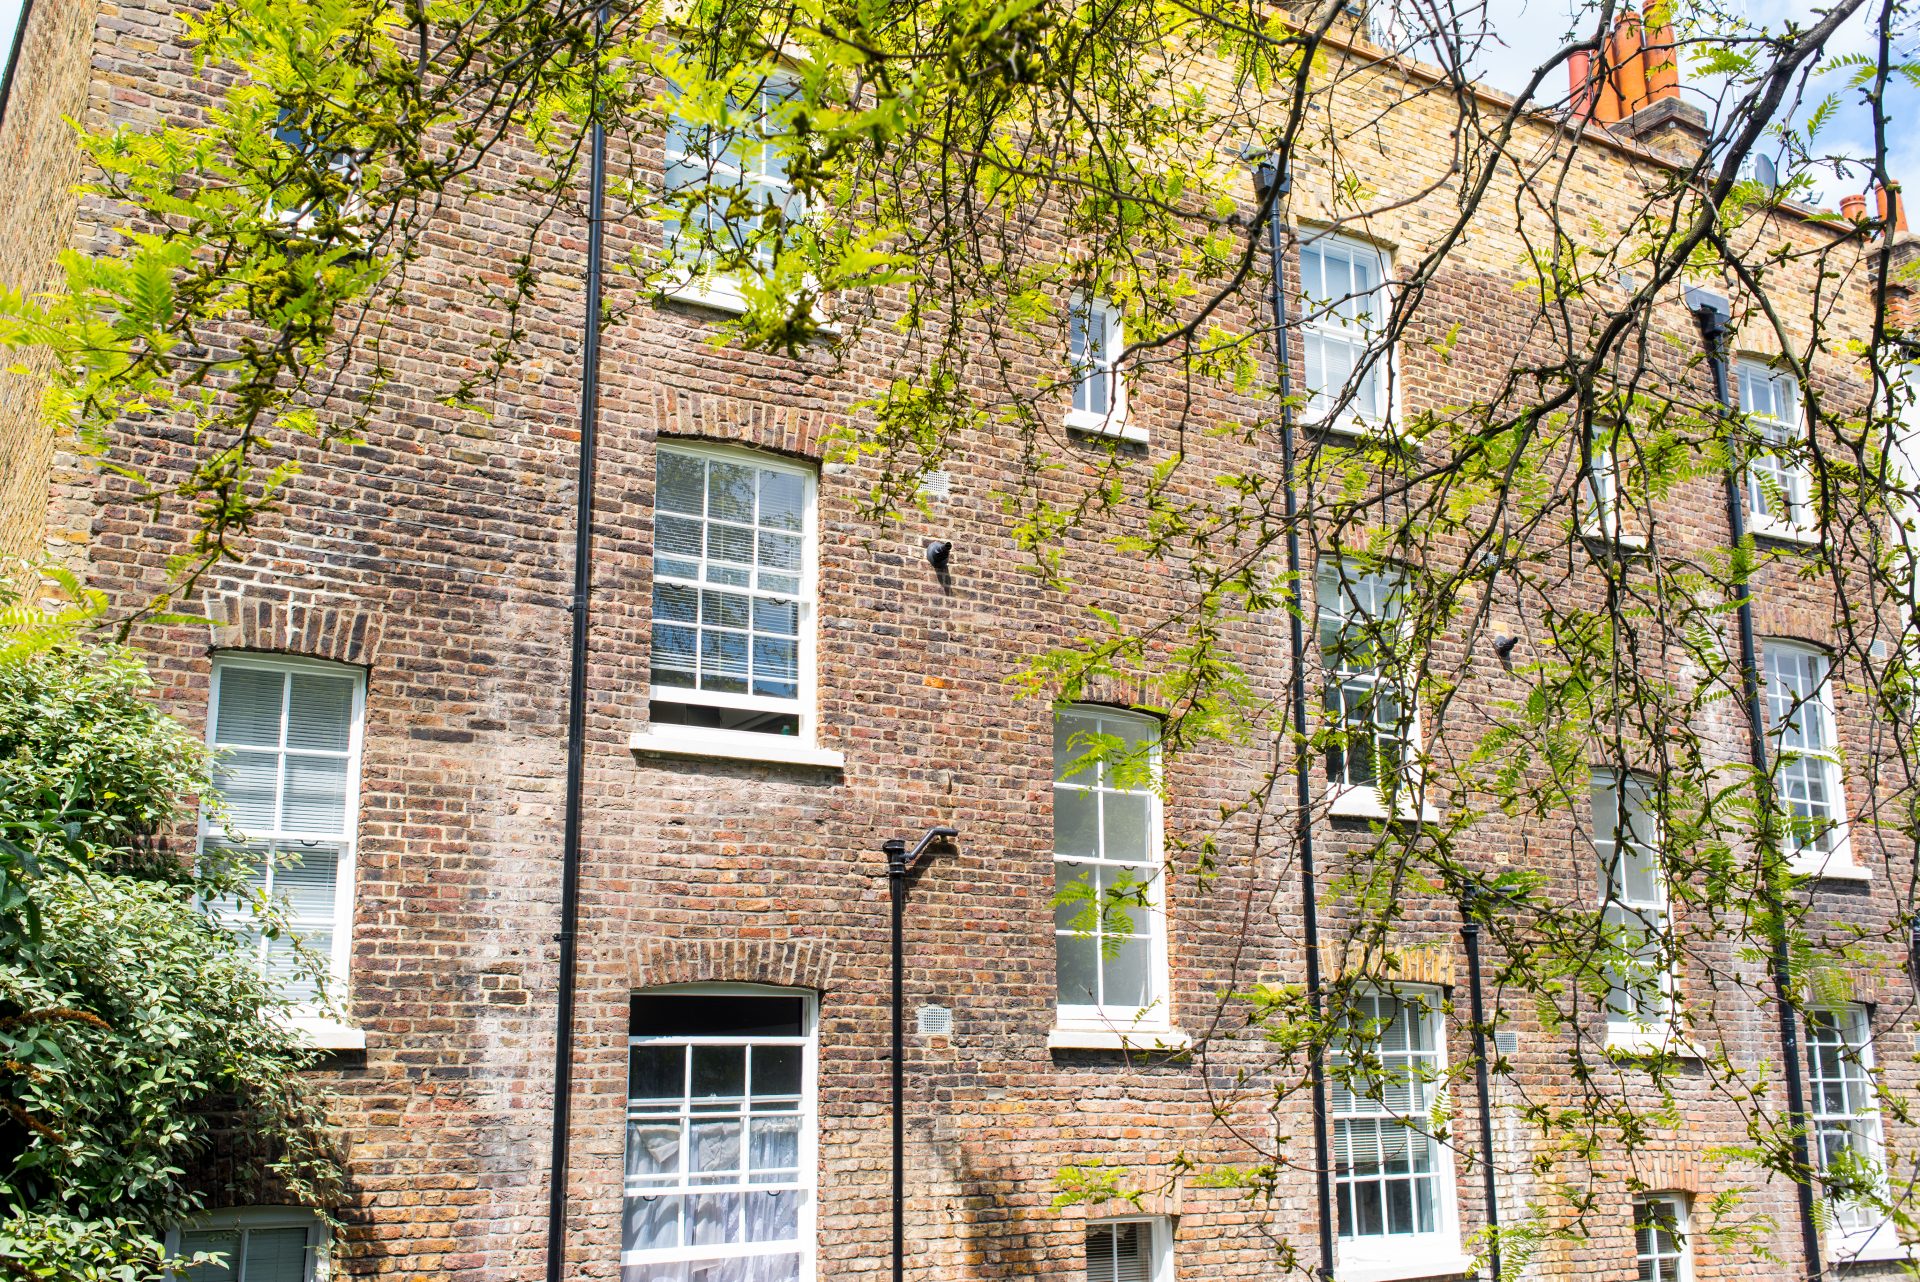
{"x":437,"y":557}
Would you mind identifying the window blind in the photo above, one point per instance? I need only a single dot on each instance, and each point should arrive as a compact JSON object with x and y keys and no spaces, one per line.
{"x":1119,"y":1253}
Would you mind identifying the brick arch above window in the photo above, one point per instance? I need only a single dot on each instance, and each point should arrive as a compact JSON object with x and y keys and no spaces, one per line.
{"x":780,"y":963}
{"x":796,"y":432}
{"x":335,"y":628}
{"x":1111,"y":690}
{"x":1670,"y":1173}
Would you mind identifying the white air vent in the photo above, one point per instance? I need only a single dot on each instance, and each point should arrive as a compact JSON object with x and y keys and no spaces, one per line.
{"x":1506,"y":1043}
{"x":936,"y":485}
{"x":936,"y":1021}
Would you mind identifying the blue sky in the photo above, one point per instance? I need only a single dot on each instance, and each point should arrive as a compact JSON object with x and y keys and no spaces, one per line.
{"x":1524,"y":32}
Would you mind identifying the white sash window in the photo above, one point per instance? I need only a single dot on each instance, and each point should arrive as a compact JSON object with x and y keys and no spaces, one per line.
{"x":287,"y":733}
{"x":1344,"y":308}
{"x":1779,"y":487}
{"x":1109,"y":922}
{"x":1807,"y":779}
{"x":1633,"y":890}
{"x":721,"y":1108}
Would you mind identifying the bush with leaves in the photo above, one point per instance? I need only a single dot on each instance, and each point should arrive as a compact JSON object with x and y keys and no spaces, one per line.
{"x":146,"y":1067}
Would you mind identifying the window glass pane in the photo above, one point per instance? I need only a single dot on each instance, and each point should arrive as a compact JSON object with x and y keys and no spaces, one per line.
{"x":1076,"y":970}
{"x":682,"y":483}
{"x":656,"y":1072}
{"x":730,"y":490}
{"x":276,"y":1255}
{"x":250,"y":706}
{"x":320,"y":714}
{"x":685,"y":1015}
{"x":316,"y":795}
{"x":719,"y":1070}
{"x":225,"y":1244}
{"x":1125,"y":977}
{"x":303,"y":880}
{"x":1124,"y":827}
{"x":783,"y":498}
{"x":249,"y":785}
{"x":1076,"y":830}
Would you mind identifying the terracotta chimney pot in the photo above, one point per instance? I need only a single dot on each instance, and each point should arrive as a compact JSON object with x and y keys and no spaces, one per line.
{"x":1629,"y":69}
{"x":1663,"y":64}
{"x":1580,"y":84}
{"x":1881,"y":201}
{"x":1854,"y":208}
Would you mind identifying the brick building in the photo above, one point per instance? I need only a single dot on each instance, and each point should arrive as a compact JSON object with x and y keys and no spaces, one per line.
{"x":775,"y":686}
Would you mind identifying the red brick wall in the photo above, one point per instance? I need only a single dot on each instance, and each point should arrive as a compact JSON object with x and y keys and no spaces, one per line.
{"x":438,"y":555}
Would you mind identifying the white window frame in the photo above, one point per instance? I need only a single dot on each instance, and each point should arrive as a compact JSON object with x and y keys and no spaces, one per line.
{"x":1852,"y":1232}
{"x":1620,"y":911}
{"x":801,"y":748}
{"x":1089,"y":315}
{"x":808,"y":1183}
{"x":1156,"y":1014}
{"x":1601,"y":498}
{"x":1758,"y":382}
{"x":341,"y":162}
{"x":1674,"y":1265}
{"x":246,"y":1219}
{"x":1385,"y":1257}
{"x":1159,"y":1245}
{"x":1321,"y":323}
{"x":695,"y":278}
{"x":1814,"y":707}
{"x":313,"y":1020}
{"x":1368,"y":800}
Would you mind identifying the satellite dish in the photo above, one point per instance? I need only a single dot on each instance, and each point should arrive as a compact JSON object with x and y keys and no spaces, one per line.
{"x":1766,"y":173}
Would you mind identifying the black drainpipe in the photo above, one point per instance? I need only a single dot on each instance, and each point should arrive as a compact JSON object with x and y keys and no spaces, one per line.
{"x":13,"y":56}
{"x":1711,"y":314}
{"x":577,"y":693}
{"x":1271,"y":180}
{"x":1470,"y":933}
{"x":900,"y":865}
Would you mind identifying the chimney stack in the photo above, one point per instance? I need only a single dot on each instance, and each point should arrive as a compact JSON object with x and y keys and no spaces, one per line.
{"x":1634,"y":69}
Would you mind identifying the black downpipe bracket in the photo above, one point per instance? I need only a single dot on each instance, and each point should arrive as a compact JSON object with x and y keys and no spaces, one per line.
{"x":1470,"y":934}
{"x":1710,"y":313}
{"x":1271,"y":180}
{"x":900,"y":865}
{"x":578,"y":607}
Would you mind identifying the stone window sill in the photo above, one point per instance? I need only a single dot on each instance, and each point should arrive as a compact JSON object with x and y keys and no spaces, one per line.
{"x":1075,"y":1038}
{"x":1836,"y":865}
{"x":1358,"y":801}
{"x":1643,"y":1041}
{"x":1414,"y":1264}
{"x":721,"y":293}
{"x":1781,"y":532}
{"x":1868,"y":1246}
{"x":1112,"y":427}
{"x":322,"y":1032}
{"x":783,"y":750}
